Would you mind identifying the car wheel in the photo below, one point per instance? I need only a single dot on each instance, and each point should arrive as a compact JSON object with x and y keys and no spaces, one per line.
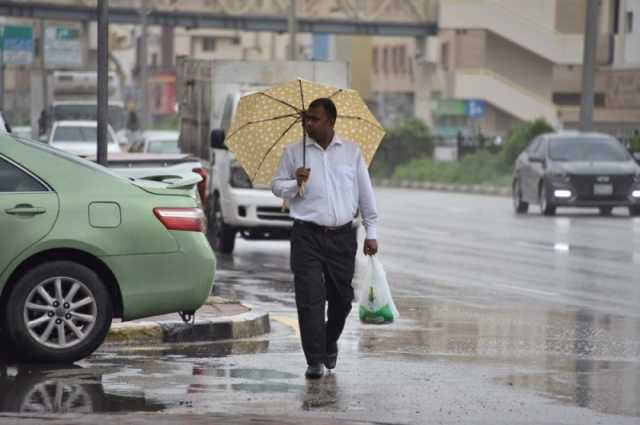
{"x":58,"y":312}
{"x":519,"y":206}
{"x":634,"y":211}
{"x":546,"y":208}
{"x":221,"y":236}
{"x":606,"y":211}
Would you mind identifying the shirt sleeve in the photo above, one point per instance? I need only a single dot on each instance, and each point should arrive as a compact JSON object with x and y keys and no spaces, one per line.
{"x":284,"y":184}
{"x":366,"y":200}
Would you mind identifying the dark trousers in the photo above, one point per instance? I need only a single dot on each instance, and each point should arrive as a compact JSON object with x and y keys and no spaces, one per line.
{"x":323,"y":263}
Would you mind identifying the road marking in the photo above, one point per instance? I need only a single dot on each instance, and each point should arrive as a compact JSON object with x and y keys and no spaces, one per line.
{"x":291,"y":322}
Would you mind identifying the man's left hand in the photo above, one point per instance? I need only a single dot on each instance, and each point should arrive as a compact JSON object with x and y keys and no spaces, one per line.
{"x":370,"y":246}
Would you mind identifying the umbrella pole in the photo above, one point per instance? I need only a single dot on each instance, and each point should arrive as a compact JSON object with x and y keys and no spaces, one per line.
{"x":304,"y":158}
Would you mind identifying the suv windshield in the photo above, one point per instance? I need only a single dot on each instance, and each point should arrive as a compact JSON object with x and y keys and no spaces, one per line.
{"x":587,"y":149}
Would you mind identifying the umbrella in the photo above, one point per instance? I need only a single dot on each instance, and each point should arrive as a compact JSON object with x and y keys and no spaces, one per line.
{"x":265,"y":122}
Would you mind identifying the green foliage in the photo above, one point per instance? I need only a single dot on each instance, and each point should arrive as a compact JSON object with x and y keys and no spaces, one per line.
{"x":634,"y":144}
{"x":410,"y":140}
{"x":478,"y":168}
{"x":518,"y":139}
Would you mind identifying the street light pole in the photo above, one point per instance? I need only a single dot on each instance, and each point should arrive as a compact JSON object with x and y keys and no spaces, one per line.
{"x":589,"y":65}
{"x":144,"y":72}
{"x":292,"y":30}
{"x":103,"y":79}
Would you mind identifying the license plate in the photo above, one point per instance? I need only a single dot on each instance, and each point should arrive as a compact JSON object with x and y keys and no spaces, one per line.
{"x":603,"y":189}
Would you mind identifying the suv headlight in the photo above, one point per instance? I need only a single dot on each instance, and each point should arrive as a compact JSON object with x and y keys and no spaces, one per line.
{"x":239,"y":178}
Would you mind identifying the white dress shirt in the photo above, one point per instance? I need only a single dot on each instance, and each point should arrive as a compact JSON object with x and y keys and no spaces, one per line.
{"x":338,"y":184}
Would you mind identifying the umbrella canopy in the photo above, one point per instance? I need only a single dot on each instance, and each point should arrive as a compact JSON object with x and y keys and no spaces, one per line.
{"x":265,"y":122}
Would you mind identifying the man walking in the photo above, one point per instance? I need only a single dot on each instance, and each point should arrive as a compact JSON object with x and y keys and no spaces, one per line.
{"x":323,"y":240}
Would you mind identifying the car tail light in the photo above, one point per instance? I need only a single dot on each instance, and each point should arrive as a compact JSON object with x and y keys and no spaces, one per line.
{"x":203,"y":186}
{"x":188,"y":219}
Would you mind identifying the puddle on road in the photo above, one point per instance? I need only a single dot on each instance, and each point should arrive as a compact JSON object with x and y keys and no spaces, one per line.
{"x":39,"y":389}
{"x":581,"y":357}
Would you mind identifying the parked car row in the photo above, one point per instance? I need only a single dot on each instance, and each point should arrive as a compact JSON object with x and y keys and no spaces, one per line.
{"x":573,"y":169}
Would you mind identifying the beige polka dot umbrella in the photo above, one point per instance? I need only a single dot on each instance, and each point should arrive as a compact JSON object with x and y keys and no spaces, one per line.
{"x":267,"y":121}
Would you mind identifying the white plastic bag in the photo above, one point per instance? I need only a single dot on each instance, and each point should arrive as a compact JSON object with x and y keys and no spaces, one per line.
{"x":376,"y":304}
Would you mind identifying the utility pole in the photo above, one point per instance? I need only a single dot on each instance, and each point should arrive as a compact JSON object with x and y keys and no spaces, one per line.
{"x":292,"y":31}
{"x":103,"y":79}
{"x":589,"y":65}
{"x":144,"y":71}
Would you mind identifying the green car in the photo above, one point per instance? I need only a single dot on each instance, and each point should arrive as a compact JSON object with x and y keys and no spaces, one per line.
{"x":80,"y":245}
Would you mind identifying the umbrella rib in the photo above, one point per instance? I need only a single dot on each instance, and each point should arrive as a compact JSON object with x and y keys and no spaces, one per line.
{"x":280,"y":101}
{"x":353,"y":117}
{"x":301,"y":94}
{"x":261,"y":121}
{"x":337,"y":92}
{"x":273,"y":146}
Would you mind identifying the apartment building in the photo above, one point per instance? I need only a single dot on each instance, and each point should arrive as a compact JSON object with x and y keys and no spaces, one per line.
{"x":518,"y":60}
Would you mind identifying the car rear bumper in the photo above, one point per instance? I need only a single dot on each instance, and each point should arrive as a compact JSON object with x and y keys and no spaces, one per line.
{"x":165,"y":283}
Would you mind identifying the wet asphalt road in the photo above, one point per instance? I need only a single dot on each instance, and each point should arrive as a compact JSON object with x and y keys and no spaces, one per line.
{"x":505,"y":319}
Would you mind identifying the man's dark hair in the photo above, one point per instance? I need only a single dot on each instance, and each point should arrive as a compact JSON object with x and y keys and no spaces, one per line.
{"x":328,"y":106}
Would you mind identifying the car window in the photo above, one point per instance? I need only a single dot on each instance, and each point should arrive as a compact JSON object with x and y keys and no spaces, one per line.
{"x":587,"y":149}
{"x":14,"y":179}
{"x":533,"y":146}
{"x":163,"y":146}
{"x":78,"y":134}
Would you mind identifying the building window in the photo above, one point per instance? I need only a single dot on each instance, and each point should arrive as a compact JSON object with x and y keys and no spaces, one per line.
{"x":403,"y":59}
{"x":208,"y":44}
{"x":374,"y":59}
{"x":385,"y":60}
{"x":444,"y":56}
{"x":629,"y":22}
{"x":395,"y":60}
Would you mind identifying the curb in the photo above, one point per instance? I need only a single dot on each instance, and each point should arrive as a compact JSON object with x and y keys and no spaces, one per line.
{"x":476,"y":189}
{"x":245,"y":325}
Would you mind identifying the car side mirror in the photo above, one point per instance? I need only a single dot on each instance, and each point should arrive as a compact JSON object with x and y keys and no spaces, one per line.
{"x":536,"y":158}
{"x":217,"y":139}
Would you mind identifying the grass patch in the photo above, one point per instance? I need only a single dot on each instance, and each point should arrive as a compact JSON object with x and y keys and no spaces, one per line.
{"x":478,"y":168}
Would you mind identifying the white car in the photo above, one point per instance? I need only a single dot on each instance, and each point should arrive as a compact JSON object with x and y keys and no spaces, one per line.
{"x":80,"y":137}
{"x":159,"y":141}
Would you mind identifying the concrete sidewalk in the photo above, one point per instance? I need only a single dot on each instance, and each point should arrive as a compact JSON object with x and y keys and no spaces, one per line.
{"x":217,"y":320}
{"x":476,"y":189}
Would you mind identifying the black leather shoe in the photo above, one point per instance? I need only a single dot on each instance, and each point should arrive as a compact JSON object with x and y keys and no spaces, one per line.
{"x":314,"y":371}
{"x":330,"y":361}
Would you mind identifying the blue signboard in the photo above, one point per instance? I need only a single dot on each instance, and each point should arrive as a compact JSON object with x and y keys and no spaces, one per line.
{"x":17,"y":45}
{"x":474,"y":108}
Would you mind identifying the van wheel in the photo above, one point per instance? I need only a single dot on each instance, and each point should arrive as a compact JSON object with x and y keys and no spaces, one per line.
{"x":58,"y":312}
{"x":221,"y":236}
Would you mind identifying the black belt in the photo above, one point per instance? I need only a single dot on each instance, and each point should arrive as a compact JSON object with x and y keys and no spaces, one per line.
{"x":333,"y":229}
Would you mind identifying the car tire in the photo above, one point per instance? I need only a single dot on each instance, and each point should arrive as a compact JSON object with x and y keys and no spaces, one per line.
{"x":519,"y":206}
{"x":64,"y":332}
{"x":634,"y":211}
{"x":546,"y":207}
{"x":221,"y":236}
{"x":606,"y":211}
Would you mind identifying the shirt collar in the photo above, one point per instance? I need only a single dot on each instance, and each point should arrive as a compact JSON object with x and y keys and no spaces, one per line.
{"x":336,"y":140}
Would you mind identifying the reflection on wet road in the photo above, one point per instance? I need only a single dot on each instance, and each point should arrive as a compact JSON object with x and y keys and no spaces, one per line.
{"x":504,"y":320}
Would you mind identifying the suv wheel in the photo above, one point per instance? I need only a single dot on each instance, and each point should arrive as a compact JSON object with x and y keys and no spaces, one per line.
{"x":519,"y":206}
{"x":58,"y":312}
{"x":546,"y":207}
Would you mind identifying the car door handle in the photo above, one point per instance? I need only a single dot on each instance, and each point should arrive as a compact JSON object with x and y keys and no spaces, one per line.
{"x":25,"y":209}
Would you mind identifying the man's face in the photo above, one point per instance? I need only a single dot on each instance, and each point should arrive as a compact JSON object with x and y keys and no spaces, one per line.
{"x":317,"y":124}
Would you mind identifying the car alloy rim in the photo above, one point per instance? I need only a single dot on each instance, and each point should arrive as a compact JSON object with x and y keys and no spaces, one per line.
{"x":57,"y":397}
{"x":60,"y":312}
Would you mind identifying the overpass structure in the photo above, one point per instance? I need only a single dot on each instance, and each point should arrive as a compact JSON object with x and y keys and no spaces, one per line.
{"x":408,"y":18}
